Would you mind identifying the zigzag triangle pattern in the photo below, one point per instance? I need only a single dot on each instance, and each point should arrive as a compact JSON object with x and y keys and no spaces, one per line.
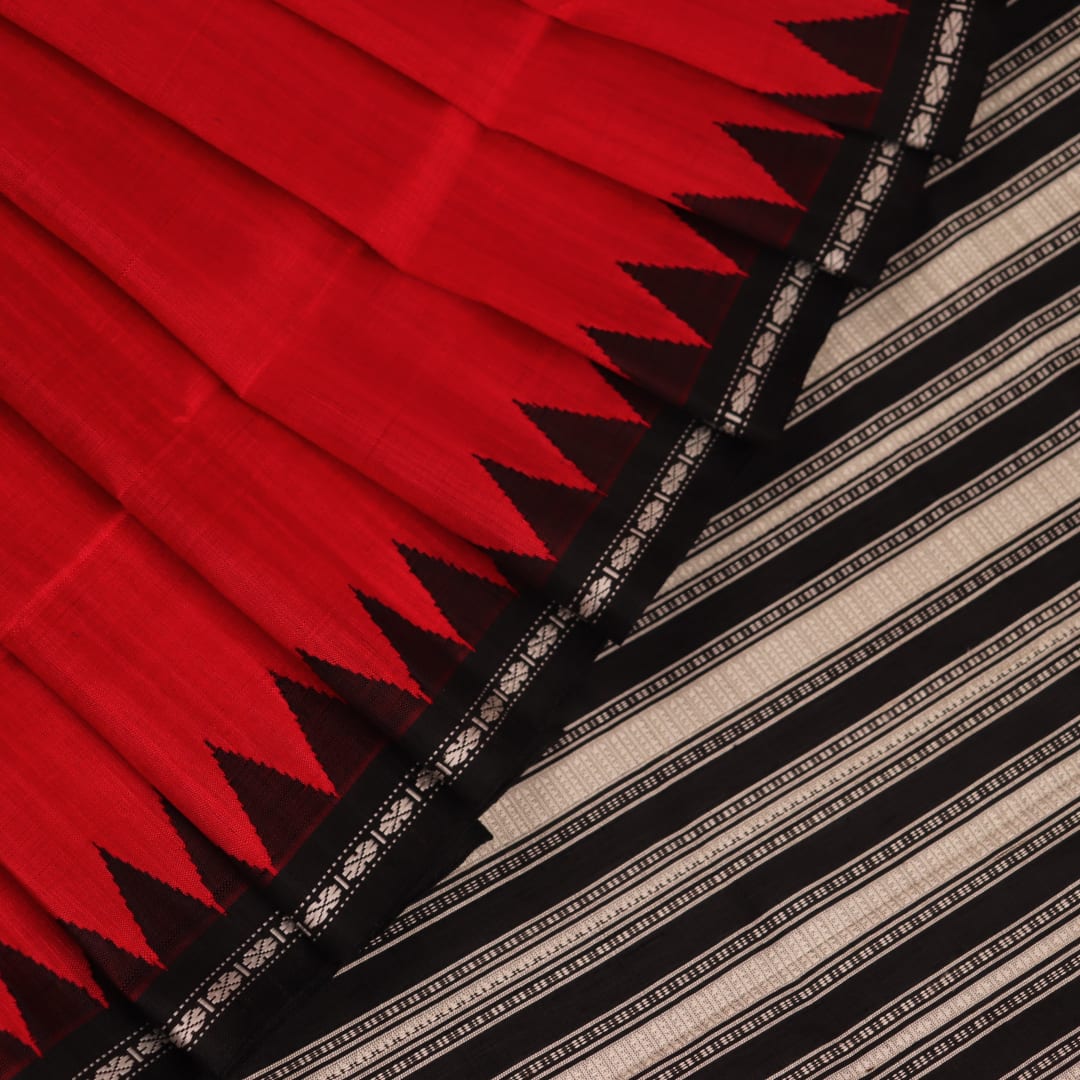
{"x":796,"y":160}
{"x":597,"y":446}
{"x":701,"y":299}
{"x":221,"y":875}
{"x":341,"y":743}
{"x":388,"y":708}
{"x":773,"y":222}
{"x":469,"y":601}
{"x":35,"y":1004}
{"x":46,"y":984}
{"x":552,"y":507}
{"x":665,"y":368}
{"x":856,"y":46}
{"x":166,"y":916}
{"x":131,"y":974}
{"x":431,"y":658}
{"x":278,"y":806}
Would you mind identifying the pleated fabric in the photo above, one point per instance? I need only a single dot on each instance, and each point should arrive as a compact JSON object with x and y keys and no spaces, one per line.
{"x":359,"y":360}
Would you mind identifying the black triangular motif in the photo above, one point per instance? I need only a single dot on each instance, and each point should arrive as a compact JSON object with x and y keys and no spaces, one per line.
{"x":168,"y":919}
{"x":281,"y":809}
{"x":862,"y":47}
{"x":129,"y":973}
{"x":387,"y":708}
{"x":339,"y":737}
{"x":430,"y":658}
{"x":667,"y":368}
{"x":50,"y":1006}
{"x":598,"y":446}
{"x":768,"y":222}
{"x":220,"y":874}
{"x":700,"y":298}
{"x":844,"y":110}
{"x":522,"y":571}
{"x":554,"y":511}
{"x":797,"y":161}
{"x":644,"y":402}
{"x":15,"y":1054}
{"x":741,"y":247}
{"x":470,"y":603}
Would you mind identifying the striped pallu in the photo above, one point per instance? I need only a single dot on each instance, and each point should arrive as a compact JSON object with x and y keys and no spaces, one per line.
{"x":819,"y":814}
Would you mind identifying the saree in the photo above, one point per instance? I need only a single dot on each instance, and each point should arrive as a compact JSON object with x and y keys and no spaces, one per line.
{"x":365,"y":368}
{"x":817,"y":815}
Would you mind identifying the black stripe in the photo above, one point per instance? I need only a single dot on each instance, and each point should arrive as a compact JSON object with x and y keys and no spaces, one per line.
{"x":899,"y":380}
{"x":788,"y":694}
{"x":872,"y":480}
{"x":1030,"y":23}
{"x":844,"y":450}
{"x":710,"y":740}
{"x":816,"y":721}
{"x":919,"y":1001}
{"x":983,"y":289}
{"x":1026,"y":19}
